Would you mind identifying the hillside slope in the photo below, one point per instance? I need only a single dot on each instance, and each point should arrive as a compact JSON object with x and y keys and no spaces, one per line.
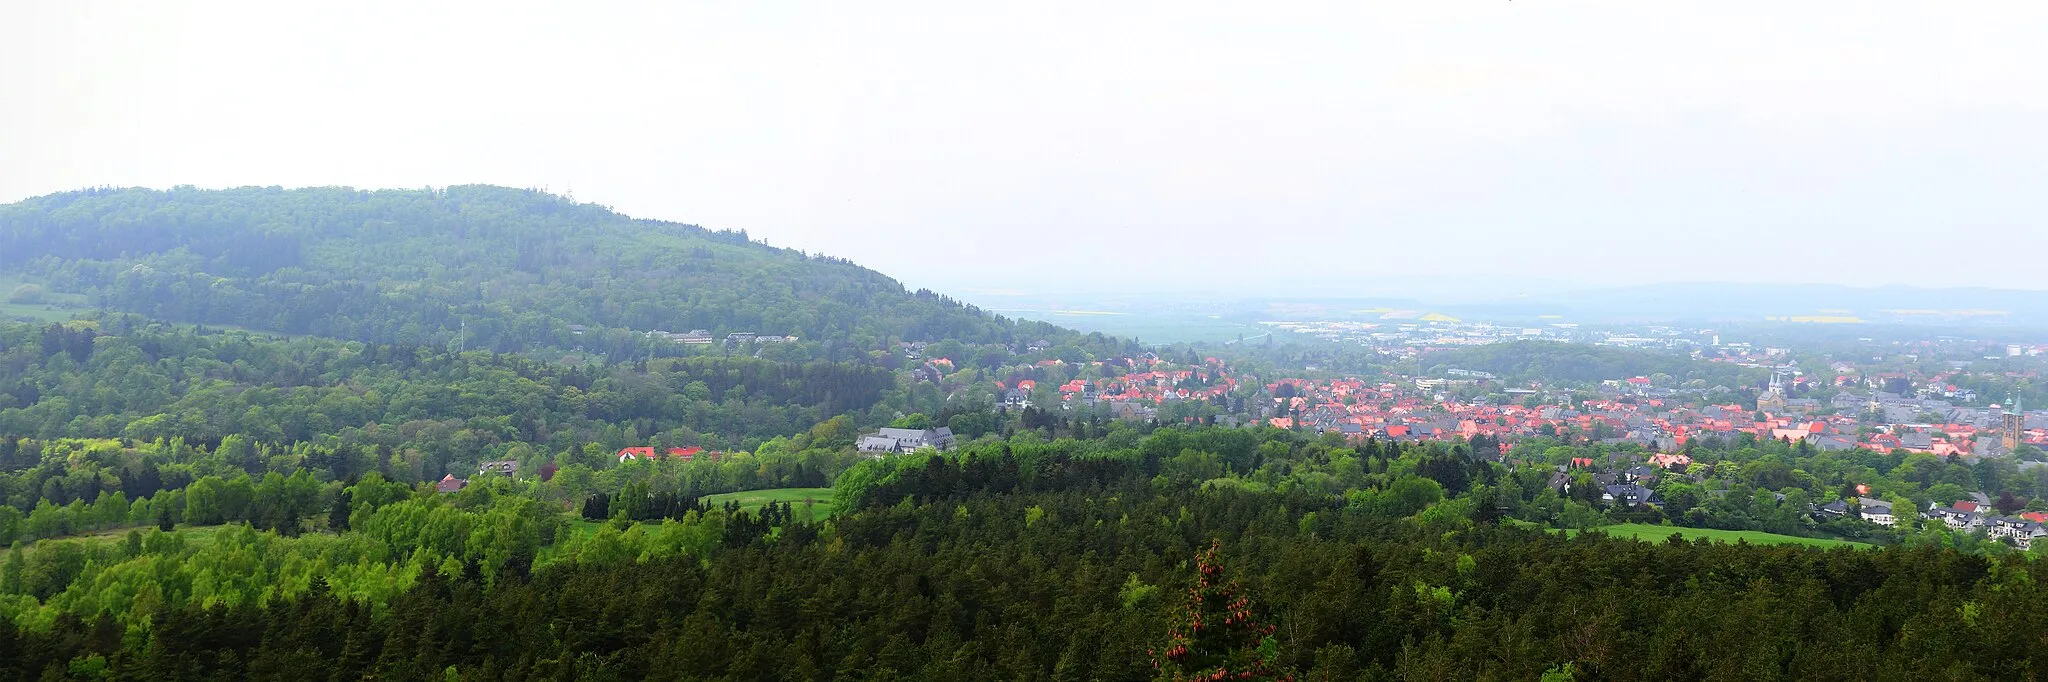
{"x":519,"y":267}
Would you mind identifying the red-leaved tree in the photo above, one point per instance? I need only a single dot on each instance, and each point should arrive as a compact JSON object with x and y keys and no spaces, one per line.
{"x":1214,"y":637}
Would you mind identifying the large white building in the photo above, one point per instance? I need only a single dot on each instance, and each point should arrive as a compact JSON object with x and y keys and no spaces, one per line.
{"x":907,"y":440}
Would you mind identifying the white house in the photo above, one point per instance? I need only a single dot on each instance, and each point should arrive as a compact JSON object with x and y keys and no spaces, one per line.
{"x":907,"y":440}
{"x":1877,"y":511}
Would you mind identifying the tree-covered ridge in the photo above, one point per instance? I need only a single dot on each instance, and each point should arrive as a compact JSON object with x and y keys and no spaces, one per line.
{"x":410,"y":266}
{"x":1581,"y":363}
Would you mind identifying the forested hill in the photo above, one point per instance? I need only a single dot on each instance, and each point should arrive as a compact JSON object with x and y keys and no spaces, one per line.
{"x":1577,"y":362}
{"x":520,"y":267}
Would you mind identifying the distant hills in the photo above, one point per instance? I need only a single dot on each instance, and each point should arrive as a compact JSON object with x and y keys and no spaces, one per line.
{"x":1705,"y":304}
{"x":514,"y":269}
{"x":1818,"y":303}
{"x":1718,"y":303}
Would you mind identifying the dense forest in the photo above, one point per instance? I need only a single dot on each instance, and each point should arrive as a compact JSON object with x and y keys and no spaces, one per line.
{"x":126,"y":378}
{"x":1176,"y":554}
{"x":508,"y":270}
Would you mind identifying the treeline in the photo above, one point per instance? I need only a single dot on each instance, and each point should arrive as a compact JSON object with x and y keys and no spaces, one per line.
{"x":125,"y":378}
{"x":413,"y":267}
{"x":58,"y":488}
{"x":1051,"y":574}
{"x":1585,"y":363}
{"x":272,"y":502}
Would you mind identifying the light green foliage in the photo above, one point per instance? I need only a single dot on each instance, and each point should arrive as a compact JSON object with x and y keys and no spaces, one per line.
{"x":915,"y":420}
{"x":26,"y":293}
{"x":1404,"y":497}
{"x":1136,"y":593}
{"x":1191,"y":467}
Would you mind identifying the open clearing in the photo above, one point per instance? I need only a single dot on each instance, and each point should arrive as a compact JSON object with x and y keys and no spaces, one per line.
{"x":54,"y":307}
{"x":192,"y":534}
{"x":1649,"y":533}
{"x":820,"y":500}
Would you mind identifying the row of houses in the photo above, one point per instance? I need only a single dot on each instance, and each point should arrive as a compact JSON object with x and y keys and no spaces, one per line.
{"x":703,"y":337}
{"x":1970,"y":516}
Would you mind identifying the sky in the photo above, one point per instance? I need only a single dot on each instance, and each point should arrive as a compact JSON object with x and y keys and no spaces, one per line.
{"x":1368,"y":148}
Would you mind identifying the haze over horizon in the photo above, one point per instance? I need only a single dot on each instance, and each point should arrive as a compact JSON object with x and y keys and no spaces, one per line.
{"x":1377,"y":150}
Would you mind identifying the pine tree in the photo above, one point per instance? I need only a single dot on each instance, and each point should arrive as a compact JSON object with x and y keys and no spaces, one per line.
{"x":337,"y":516}
{"x":1215,"y":637}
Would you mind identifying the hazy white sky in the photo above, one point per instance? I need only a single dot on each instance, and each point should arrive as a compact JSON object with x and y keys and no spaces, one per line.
{"x":1250,"y":147}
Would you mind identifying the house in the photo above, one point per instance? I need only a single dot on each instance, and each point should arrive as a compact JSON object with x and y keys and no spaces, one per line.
{"x":1676,"y":462}
{"x":449,"y":483}
{"x":2021,"y":532}
{"x":501,"y":467}
{"x":1560,"y":481}
{"x":1833,"y":443}
{"x":904,"y":441}
{"x":1136,"y":413}
{"x":1016,"y":398}
{"x":1640,"y":473}
{"x":1791,"y":435}
{"x":1849,"y":401}
{"x":1955,"y":518}
{"x":1833,"y":510}
{"x":684,"y":454}
{"x":1877,"y":511}
{"x":1630,"y":494}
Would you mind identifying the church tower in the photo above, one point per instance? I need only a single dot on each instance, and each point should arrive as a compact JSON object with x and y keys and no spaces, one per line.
{"x":2015,"y":425}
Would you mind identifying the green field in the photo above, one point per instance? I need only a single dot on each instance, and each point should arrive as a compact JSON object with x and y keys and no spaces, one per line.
{"x":55,"y":307}
{"x":192,"y":534}
{"x":750,"y":500}
{"x":1649,"y":533}
{"x":820,"y":500}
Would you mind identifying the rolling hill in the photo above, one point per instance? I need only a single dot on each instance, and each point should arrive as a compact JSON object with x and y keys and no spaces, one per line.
{"x":518,"y":269}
